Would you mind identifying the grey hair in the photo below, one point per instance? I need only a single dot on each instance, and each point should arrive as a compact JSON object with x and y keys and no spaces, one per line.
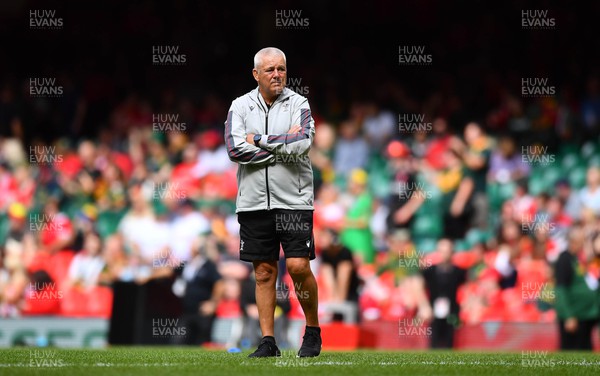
{"x":267,"y":51}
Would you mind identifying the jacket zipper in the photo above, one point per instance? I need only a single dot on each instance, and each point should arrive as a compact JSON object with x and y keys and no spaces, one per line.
{"x":267,"y":167}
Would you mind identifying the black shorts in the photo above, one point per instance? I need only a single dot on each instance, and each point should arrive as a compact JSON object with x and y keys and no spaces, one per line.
{"x":262,"y":232}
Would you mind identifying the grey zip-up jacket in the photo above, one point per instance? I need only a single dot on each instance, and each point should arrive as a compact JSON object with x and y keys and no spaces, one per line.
{"x":278,"y":174}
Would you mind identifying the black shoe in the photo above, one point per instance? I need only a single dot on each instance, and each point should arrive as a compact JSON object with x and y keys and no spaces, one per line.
{"x":266,"y":348}
{"x":311,"y":343}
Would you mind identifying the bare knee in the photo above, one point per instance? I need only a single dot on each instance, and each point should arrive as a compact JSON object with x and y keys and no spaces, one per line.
{"x":265,"y":272}
{"x":298,"y":267}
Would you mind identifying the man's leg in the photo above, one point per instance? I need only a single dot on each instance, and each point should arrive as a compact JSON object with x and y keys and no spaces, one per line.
{"x":305,"y":287}
{"x":266,"y":277}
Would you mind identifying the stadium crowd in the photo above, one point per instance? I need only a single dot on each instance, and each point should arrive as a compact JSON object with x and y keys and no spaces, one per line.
{"x":124,"y":176}
{"x":138,"y":203}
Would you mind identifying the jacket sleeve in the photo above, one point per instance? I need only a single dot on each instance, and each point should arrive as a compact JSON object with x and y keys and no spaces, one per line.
{"x":238,"y":149}
{"x":296,"y":143}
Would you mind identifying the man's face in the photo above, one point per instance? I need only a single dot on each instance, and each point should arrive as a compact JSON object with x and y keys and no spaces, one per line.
{"x":271,"y":75}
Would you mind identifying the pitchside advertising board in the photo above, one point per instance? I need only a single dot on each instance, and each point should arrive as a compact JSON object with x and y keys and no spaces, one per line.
{"x":54,"y":331}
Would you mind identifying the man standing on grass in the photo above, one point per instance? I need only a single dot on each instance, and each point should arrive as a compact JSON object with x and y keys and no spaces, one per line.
{"x":269,"y":132}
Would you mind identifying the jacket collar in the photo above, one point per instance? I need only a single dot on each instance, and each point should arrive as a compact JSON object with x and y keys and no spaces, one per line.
{"x":257,"y":97}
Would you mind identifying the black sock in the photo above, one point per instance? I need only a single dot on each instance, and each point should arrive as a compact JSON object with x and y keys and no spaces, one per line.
{"x":269,"y":338}
{"x":313,"y":328}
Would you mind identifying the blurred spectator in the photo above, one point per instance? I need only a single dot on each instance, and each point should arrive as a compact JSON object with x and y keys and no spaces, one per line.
{"x":321,"y":155}
{"x":505,"y":265}
{"x":338,"y":271}
{"x":577,"y":299}
{"x":187,"y":224}
{"x":523,"y":204}
{"x":328,"y":208}
{"x":55,"y":227}
{"x":351,"y":150}
{"x":476,"y":157}
{"x":572,"y":205}
{"x":379,"y":125}
{"x":212,"y":158}
{"x":139,"y":228}
{"x":456,"y":185}
{"x":84,"y":224}
{"x":442,"y":282}
{"x":441,"y":141}
{"x":406,"y":196}
{"x":506,"y":163}
{"x":86,"y":266}
{"x":356,"y":234}
{"x":116,"y":263}
{"x":590,"y":108}
{"x":589,"y":195}
{"x":200,"y":287}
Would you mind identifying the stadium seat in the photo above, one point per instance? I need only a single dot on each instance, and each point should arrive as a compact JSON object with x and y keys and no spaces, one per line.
{"x":74,"y":303}
{"x":58,"y":267}
{"x":100,"y":301}
{"x":426,"y":226}
{"x":589,"y":149}
{"x":569,"y":161}
{"x":340,"y":337}
{"x":426,"y":245}
{"x":577,"y":177}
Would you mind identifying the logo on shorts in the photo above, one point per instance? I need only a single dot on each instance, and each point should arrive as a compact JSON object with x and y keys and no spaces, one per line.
{"x":308,"y":243}
{"x":241,"y":245}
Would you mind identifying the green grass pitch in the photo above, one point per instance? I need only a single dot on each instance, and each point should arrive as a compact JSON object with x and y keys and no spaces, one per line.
{"x":176,"y":361}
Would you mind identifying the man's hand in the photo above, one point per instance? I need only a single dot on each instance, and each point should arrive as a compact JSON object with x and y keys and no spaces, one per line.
{"x":295,"y":129}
